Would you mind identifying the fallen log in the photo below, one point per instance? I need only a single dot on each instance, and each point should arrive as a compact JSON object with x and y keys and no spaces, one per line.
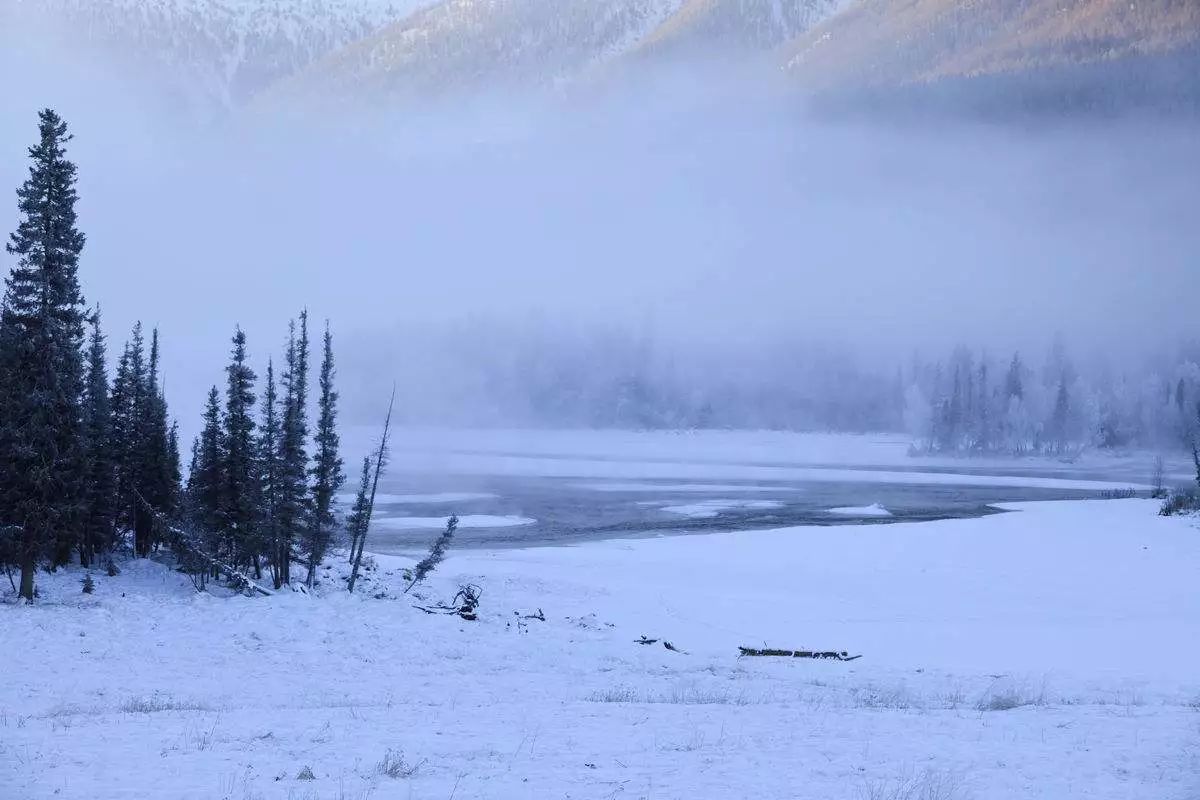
{"x":644,"y":640}
{"x":835,"y":655}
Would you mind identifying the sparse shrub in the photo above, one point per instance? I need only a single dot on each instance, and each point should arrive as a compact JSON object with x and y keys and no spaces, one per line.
{"x":1009,"y":698}
{"x":157,"y":702}
{"x":112,"y":569}
{"x":929,"y":785}
{"x":1179,"y":503}
{"x":1118,"y":494}
{"x":874,"y":697}
{"x":679,"y":696}
{"x":393,"y":765}
{"x":306,"y":774}
{"x":89,"y":585}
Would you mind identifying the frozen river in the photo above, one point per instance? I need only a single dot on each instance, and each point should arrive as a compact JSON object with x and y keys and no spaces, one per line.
{"x":514,"y":488}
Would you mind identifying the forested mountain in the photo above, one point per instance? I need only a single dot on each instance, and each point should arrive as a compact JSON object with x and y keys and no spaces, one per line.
{"x":1037,"y":48}
{"x":217,"y":54}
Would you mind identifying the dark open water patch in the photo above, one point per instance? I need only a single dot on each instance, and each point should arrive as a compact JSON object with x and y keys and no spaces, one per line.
{"x":570,"y":511}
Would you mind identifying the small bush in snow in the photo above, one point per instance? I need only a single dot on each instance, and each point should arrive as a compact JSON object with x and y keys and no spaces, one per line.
{"x":155,"y":703}
{"x":112,"y":569}
{"x":393,"y":765}
{"x":89,"y":585}
{"x":1179,"y":503}
{"x":306,"y":774}
{"x":929,"y":785}
{"x":1009,"y":698}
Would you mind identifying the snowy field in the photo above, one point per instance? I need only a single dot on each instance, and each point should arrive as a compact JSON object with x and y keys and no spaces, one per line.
{"x":1045,"y":653}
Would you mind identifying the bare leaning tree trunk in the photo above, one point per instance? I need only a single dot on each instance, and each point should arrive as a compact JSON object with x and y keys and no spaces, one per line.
{"x":380,"y":461}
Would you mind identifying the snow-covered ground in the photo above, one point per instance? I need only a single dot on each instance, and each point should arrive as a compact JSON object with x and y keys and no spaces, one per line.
{"x":1046,"y":653}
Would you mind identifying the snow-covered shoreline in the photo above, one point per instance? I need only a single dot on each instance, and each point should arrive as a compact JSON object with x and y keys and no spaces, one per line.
{"x":1048,"y":652}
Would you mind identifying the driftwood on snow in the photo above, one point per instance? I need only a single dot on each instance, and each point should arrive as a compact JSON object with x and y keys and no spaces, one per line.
{"x":645,"y":640}
{"x":464,"y":603}
{"x":835,"y":655}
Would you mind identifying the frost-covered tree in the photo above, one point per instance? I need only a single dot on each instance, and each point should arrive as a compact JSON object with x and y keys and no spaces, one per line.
{"x":42,"y":462}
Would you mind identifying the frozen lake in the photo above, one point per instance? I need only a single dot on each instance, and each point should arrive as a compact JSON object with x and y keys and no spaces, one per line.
{"x":522,"y":488}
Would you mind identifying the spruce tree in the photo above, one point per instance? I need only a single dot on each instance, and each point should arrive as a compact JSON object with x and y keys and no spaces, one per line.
{"x":96,"y":533}
{"x":357,"y":522}
{"x":327,"y":465}
{"x":293,"y":497}
{"x":269,"y":475}
{"x":239,"y":501}
{"x":42,"y":466}
{"x":157,"y":468}
{"x":129,"y":435}
{"x":206,"y":479}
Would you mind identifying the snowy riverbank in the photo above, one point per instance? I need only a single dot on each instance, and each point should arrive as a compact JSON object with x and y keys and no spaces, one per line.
{"x":1044,"y":653}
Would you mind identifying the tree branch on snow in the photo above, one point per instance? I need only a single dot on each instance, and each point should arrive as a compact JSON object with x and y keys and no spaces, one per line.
{"x":183,"y":540}
{"x":464,"y":603}
{"x":835,"y":655}
{"x":436,"y":553}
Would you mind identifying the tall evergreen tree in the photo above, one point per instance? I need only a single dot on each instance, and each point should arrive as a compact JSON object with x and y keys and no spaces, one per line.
{"x":202,"y":497}
{"x":101,"y":479}
{"x":293,"y":497}
{"x":269,"y":475}
{"x":128,"y":437}
{"x":157,"y":470}
{"x":42,"y":467}
{"x":206,"y":479}
{"x":239,"y":502}
{"x":327,"y":475}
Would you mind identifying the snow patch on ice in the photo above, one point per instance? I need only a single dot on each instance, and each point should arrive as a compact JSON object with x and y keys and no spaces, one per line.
{"x":433,"y":497}
{"x":873,"y":510}
{"x":710,"y":508}
{"x":465,"y":521}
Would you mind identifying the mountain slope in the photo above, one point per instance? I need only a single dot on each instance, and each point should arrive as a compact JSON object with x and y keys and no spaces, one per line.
{"x":469,"y":45}
{"x":877,"y":43}
{"x":217,"y":53}
{"x":466,"y":44}
{"x":739,"y":24}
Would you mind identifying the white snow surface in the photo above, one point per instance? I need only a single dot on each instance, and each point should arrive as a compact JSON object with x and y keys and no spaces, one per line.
{"x":1045,"y":653}
{"x":711,"y":508}
{"x":873,"y":510}
{"x":465,"y":521}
